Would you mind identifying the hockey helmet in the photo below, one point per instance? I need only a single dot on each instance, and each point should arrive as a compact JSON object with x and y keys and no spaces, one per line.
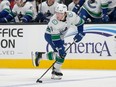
{"x":61,"y":8}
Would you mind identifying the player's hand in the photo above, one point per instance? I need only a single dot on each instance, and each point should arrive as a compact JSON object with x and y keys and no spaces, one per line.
{"x":40,"y":17}
{"x":79,"y":37}
{"x":105,"y":18}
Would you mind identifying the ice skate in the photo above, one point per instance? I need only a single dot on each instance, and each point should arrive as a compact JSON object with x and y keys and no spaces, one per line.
{"x":36,"y":57}
{"x":56,"y":74}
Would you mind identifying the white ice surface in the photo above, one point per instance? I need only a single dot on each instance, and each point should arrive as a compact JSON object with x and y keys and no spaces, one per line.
{"x":71,"y":78}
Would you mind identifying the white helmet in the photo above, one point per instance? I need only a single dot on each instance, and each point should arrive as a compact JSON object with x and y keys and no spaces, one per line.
{"x":61,"y":8}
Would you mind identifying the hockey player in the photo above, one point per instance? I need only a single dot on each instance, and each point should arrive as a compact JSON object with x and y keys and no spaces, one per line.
{"x":93,"y":9}
{"x":58,"y":26}
{"x":5,"y":12}
{"x":24,"y":10}
{"x":46,"y":10}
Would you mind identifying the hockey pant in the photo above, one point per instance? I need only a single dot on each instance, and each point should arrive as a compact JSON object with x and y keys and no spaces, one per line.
{"x":58,"y":53}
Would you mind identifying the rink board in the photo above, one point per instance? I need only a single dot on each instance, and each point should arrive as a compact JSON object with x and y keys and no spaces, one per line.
{"x":97,"y":50}
{"x":68,"y":64}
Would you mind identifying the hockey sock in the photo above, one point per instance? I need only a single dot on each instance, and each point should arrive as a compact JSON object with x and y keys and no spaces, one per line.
{"x":49,"y":55}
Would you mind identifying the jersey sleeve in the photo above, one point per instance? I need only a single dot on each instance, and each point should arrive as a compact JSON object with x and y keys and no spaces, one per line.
{"x":79,"y":21}
{"x":104,"y":7}
{"x":104,"y":4}
{"x":75,"y":19}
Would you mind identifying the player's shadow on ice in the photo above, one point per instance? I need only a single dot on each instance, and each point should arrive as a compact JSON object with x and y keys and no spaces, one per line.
{"x":49,"y":81}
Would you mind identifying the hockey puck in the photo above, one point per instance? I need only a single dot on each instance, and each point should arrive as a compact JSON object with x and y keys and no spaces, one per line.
{"x":40,"y":81}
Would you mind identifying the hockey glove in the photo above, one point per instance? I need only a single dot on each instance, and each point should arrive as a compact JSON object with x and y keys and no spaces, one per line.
{"x":105,"y":18}
{"x":48,"y":14}
{"x":20,"y":16}
{"x":79,"y":37}
{"x":60,"y":48}
{"x":40,"y":17}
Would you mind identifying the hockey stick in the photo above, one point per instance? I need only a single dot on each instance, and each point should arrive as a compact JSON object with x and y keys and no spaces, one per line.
{"x":36,"y":4}
{"x":40,"y":81}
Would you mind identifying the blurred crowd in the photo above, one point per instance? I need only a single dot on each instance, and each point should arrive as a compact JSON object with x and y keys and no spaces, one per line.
{"x":92,"y":11}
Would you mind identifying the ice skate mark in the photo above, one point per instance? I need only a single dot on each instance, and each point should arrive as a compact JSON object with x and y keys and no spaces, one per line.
{"x":50,"y":81}
{"x":76,"y":80}
{"x":21,"y":85}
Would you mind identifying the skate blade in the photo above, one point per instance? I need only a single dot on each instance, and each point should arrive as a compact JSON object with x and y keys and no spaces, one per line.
{"x":33,"y":59}
{"x":54,"y":77}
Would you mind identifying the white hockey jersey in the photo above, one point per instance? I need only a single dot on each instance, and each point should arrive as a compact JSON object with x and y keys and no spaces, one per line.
{"x":59,"y":27}
{"x":5,"y":4}
{"x":27,"y":8}
{"x":44,"y":8}
{"x":95,"y":9}
{"x":71,"y":6}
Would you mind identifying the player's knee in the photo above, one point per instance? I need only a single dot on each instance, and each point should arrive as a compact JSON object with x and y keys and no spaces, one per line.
{"x":51,"y":55}
{"x":59,"y":59}
{"x":62,"y":55}
{"x":62,"y":52}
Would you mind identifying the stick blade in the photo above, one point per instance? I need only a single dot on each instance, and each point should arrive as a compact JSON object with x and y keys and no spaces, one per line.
{"x":39,"y":81}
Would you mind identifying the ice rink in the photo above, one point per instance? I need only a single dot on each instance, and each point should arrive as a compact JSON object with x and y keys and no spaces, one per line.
{"x":71,"y":78}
